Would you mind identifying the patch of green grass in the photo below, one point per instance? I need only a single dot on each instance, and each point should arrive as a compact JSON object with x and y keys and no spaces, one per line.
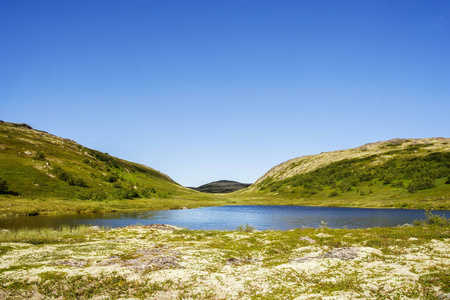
{"x":47,"y":235}
{"x":58,"y":285}
{"x":438,"y":277}
{"x":19,"y":267}
{"x":5,"y":249}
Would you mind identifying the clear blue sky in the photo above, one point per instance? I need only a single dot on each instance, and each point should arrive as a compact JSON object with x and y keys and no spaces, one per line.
{"x":205,"y":90}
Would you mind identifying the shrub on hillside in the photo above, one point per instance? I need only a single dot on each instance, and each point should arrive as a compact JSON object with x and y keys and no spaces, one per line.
{"x":39,"y":156}
{"x":333,"y":193}
{"x":111,"y":178}
{"x":126,"y":193}
{"x":147,"y":192}
{"x":91,"y":195}
{"x":63,"y":175}
{"x":418,"y":184}
{"x":4,"y":186}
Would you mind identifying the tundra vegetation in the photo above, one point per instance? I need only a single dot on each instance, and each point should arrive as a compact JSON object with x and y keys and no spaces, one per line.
{"x":164,"y":262}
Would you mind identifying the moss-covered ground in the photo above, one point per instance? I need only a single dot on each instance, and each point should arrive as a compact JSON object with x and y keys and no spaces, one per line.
{"x":163,"y":262}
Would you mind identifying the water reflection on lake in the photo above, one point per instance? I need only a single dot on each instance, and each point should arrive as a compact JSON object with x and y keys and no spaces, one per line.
{"x":230,"y":217}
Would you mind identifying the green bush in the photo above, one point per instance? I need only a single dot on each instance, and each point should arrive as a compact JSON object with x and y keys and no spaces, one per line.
{"x":246,"y":228}
{"x":398,"y":183}
{"x":418,"y":184}
{"x":147,"y":192}
{"x":433,"y":219}
{"x":4,"y":186}
{"x":333,"y":193}
{"x":126,"y":193}
{"x":111,"y":178}
{"x":67,"y":177}
{"x":39,"y":156}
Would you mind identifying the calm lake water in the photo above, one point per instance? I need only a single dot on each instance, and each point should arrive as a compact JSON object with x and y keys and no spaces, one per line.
{"x":230,"y":217}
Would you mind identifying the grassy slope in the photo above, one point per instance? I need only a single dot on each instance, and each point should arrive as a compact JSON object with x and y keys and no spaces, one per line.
{"x":46,"y":173}
{"x":384,"y":174}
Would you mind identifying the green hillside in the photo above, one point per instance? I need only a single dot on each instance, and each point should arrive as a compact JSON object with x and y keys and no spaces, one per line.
{"x":38,"y":167}
{"x":413,"y":173}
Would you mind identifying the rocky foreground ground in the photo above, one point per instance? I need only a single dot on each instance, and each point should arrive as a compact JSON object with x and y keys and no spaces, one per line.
{"x":164,"y":262}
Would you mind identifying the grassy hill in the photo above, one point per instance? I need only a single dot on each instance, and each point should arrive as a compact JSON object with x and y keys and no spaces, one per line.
{"x":221,"y":186}
{"x":409,"y":173}
{"x":40,"y":172}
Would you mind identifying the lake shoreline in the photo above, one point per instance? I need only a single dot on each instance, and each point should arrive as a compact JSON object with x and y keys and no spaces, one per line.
{"x":230,"y":217}
{"x":11,"y":207}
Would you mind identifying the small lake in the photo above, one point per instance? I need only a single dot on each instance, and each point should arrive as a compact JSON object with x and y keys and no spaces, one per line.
{"x":230,"y":217}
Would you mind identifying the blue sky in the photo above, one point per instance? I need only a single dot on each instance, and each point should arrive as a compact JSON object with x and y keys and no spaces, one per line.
{"x":205,"y":90}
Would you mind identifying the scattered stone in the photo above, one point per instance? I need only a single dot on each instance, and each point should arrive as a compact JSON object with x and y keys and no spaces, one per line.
{"x":302,"y":260}
{"x":72,"y":263}
{"x":325,"y":235}
{"x":28,"y":153}
{"x":406,"y":225}
{"x":36,"y":184}
{"x":163,"y":227}
{"x":185,"y":207}
{"x":4,"y":230}
{"x":241,"y":261}
{"x":154,"y":259}
{"x":346,"y":253}
{"x":443,"y":296}
{"x":147,"y":259}
{"x":307,"y":239}
{"x":112,"y":260}
{"x":23,"y":125}
{"x":413,"y":239}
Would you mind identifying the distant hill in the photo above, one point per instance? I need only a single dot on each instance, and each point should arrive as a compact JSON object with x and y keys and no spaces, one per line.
{"x":415,"y":169}
{"x":37,"y":164}
{"x":221,"y":186}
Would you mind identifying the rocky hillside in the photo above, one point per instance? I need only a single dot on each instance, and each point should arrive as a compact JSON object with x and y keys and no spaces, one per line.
{"x":37,"y":164}
{"x":221,"y":186}
{"x":391,"y":169}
